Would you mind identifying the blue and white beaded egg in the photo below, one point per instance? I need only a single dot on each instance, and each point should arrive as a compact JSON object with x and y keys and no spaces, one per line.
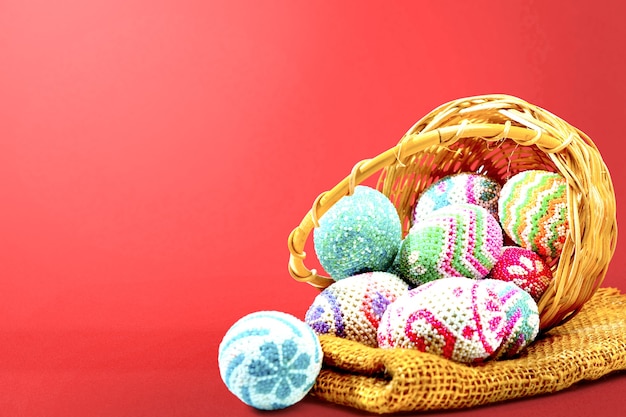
{"x":463,"y":188}
{"x":269,"y":359}
{"x":359,"y":233}
{"x":352,"y":308}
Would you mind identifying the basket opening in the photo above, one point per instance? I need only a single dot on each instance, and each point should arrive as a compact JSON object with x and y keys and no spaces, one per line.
{"x":403,"y":183}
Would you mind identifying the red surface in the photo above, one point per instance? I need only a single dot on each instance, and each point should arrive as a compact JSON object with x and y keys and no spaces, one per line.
{"x":155,"y":155}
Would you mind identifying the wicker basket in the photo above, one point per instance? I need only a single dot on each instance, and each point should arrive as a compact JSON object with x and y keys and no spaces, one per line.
{"x":496,"y":135}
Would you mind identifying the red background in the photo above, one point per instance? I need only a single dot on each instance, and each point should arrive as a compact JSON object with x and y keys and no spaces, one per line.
{"x":155,"y":155}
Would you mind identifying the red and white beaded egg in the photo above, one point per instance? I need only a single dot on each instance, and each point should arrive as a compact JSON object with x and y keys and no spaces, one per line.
{"x":523,"y":268}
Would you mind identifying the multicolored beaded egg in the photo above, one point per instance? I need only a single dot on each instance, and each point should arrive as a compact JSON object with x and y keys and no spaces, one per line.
{"x":533,"y":211}
{"x":352,"y":308}
{"x":522,"y":317}
{"x":460,"y":240}
{"x":360,"y":233}
{"x":463,"y":188}
{"x":523,"y":268}
{"x":457,"y":318}
{"x":270,"y":359}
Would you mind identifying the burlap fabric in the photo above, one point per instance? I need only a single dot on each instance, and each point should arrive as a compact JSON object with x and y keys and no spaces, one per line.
{"x":588,"y":346}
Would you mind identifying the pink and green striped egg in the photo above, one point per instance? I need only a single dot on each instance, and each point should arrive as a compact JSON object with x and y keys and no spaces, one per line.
{"x":459,"y":240}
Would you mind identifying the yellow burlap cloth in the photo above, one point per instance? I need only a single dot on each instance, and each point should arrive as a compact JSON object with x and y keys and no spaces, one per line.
{"x":590,"y":345}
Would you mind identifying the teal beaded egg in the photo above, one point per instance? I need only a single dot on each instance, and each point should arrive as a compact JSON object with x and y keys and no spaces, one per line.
{"x":360,"y":233}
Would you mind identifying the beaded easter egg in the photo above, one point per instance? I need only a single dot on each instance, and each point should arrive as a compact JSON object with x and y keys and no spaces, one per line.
{"x":521,"y":325}
{"x":352,"y":308}
{"x":533,"y":211}
{"x":456,"y":240}
{"x":360,"y":233}
{"x":463,"y":188}
{"x":457,"y":318}
{"x":523,"y":268}
{"x":270,"y":359}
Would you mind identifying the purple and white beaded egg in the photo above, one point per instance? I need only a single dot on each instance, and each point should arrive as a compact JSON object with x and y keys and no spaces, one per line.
{"x":463,"y":188}
{"x":460,"y":240}
{"x":352,"y":307}
{"x":457,"y":318}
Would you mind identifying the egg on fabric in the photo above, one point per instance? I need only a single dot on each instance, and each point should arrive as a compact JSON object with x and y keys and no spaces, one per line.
{"x":523,"y":268}
{"x":463,"y":188}
{"x":457,"y":318}
{"x":269,"y":359}
{"x":359,"y":233}
{"x":460,"y":240}
{"x":522,"y":317}
{"x":352,"y":308}
{"x":533,"y":211}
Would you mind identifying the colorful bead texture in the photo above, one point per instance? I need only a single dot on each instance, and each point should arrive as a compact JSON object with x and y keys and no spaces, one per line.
{"x":463,"y":188}
{"x":460,"y":240}
{"x":533,"y":211}
{"x":522,"y":317}
{"x":352,"y":308}
{"x":457,"y":318}
{"x":360,"y":233}
{"x":525,"y":269}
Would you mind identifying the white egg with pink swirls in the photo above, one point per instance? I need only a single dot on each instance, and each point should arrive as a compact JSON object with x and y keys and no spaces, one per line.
{"x":455,"y":317}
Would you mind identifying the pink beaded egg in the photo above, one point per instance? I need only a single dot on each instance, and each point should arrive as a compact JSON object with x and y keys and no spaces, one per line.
{"x":523,"y":268}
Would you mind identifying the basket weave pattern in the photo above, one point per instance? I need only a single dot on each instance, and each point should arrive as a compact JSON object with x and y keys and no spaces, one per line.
{"x":499,"y":136}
